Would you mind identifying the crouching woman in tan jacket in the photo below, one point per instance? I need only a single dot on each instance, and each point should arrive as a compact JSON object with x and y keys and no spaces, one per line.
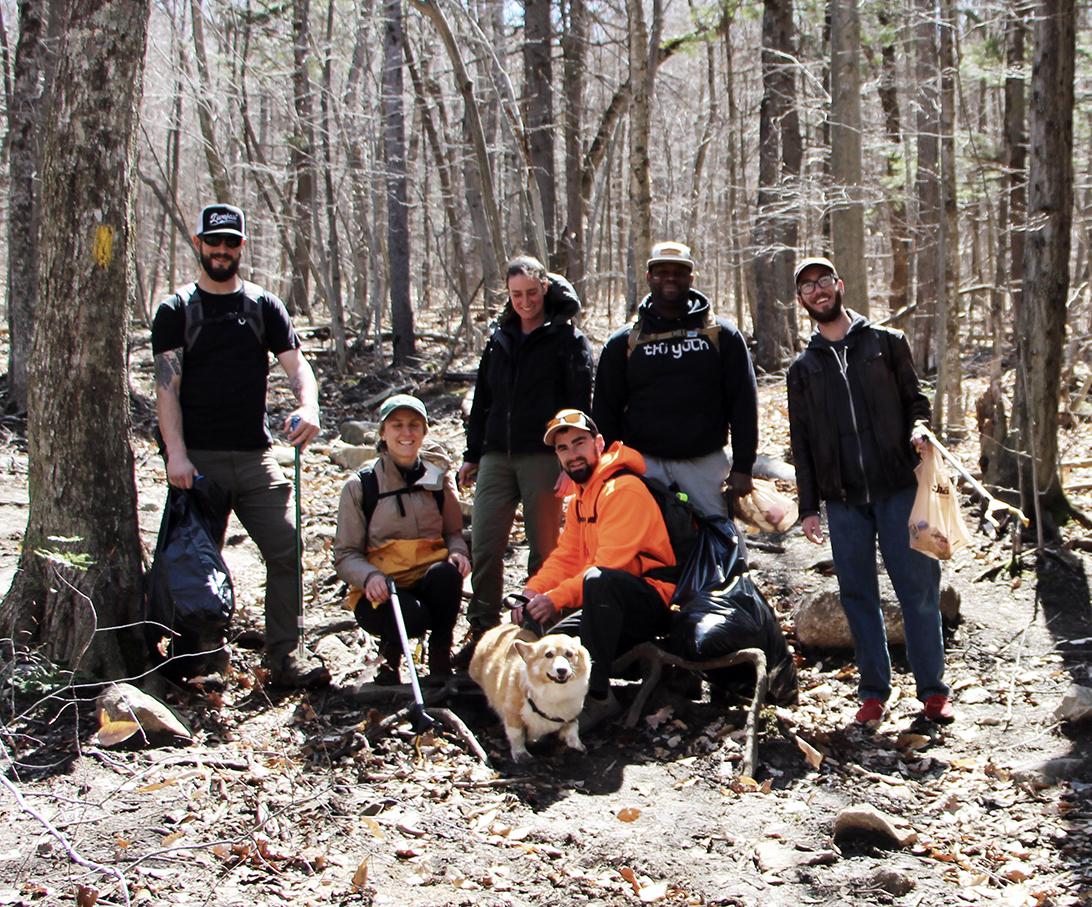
{"x":399,"y":520}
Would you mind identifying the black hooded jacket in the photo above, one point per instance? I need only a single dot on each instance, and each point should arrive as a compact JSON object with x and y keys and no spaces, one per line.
{"x":852,"y":408}
{"x":675,"y":389}
{"x":523,"y":380}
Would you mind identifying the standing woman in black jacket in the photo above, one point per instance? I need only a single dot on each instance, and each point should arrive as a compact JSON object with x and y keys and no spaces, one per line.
{"x":535,"y":363}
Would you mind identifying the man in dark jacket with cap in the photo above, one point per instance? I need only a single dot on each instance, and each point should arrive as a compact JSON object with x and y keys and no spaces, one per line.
{"x":211,"y":341}
{"x":673,"y":384}
{"x":856,"y":416}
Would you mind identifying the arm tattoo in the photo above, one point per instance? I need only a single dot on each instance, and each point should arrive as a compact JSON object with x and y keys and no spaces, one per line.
{"x":168,"y":366}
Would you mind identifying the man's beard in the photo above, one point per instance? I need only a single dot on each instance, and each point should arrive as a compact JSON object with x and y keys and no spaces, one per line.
{"x":219,"y":272}
{"x":580,"y":474}
{"x":831,"y":314}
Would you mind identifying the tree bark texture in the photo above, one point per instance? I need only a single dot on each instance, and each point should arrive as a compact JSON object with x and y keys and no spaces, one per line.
{"x":538,"y":106}
{"x":898,"y":290}
{"x":1046,"y":255}
{"x":779,"y":158}
{"x":927,"y":184}
{"x":573,"y":44}
{"x":301,"y":160}
{"x":24,"y":120}
{"x":1015,"y":149}
{"x":847,"y":192}
{"x":394,"y":147}
{"x":82,"y":492}
{"x":640,"y":178}
{"x":221,"y":182}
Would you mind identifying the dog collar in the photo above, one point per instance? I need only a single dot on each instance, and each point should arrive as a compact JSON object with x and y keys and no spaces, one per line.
{"x":542,"y":714}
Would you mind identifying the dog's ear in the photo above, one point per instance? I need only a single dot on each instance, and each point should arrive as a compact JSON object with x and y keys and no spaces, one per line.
{"x":525,"y":650}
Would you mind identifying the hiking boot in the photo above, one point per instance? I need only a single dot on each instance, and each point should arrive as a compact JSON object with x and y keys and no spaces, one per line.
{"x":871,"y":710}
{"x":299,"y":671}
{"x":439,"y":656}
{"x":938,"y":707}
{"x":597,"y":711}
{"x":389,"y":673}
{"x":460,"y":661}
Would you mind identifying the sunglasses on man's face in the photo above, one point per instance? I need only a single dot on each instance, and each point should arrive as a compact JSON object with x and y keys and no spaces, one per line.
{"x":216,"y":240}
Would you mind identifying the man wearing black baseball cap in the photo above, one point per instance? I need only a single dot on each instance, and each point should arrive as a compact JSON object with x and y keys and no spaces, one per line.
{"x":856,"y":416}
{"x":211,"y":341}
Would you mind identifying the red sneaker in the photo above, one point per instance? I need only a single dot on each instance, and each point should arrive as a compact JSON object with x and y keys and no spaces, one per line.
{"x":939,"y":708}
{"x":870,"y":710}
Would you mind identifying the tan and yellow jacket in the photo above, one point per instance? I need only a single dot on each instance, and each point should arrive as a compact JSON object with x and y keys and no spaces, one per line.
{"x":407,"y":533}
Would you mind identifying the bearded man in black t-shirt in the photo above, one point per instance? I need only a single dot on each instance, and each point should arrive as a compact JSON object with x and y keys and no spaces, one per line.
{"x":211,"y":342}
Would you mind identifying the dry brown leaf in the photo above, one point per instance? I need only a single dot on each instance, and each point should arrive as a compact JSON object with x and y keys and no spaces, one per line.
{"x":86,"y":896}
{"x":156,"y":785}
{"x":360,"y":877}
{"x":168,"y":840}
{"x":374,"y":827}
{"x":111,"y":733}
{"x":407,"y":853}
{"x":909,"y":741}
{"x":630,"y":876}
{"x":629,"y":814}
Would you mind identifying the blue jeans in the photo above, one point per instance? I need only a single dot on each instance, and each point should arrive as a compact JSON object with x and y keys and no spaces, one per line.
{"x":915,"y":577}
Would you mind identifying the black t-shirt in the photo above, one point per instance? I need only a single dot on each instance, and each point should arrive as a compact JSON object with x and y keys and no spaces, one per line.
{"x":225,"y":375}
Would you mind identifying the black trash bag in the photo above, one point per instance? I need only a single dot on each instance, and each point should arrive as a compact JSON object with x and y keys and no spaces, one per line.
{"x":713,"y":560}
{"x":189,"y":588}
{"x":725,"y":619}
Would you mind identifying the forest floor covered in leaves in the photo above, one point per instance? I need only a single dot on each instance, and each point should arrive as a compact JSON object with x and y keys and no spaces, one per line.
{"x":305,"y":799}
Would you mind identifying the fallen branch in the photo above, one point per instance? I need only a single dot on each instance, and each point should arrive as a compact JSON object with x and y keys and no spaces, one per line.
{"x":654,"y":658}
{"x":73,"y":854}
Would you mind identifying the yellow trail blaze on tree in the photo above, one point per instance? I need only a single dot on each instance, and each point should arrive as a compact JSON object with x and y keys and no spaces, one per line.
{"x":103,"y":248}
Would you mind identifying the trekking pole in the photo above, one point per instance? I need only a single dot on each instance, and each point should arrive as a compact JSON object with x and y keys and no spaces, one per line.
{"x":420,"y":719}
{"x":300,"y":649}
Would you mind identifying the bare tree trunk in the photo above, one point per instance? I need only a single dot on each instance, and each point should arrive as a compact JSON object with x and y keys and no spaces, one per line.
{"x":221,"y":182}
{"x":927,"y":181}
{"x":948,"y":406}
{"x":394,"y":146}
{"x":80,"y":570}
{"x":898,"y":293}
{"x":1015,"y":150}
{"x":1046,"y":255}
{"x":24,"y":119}
{"x":538,"y":104}
{"x":847,"y":199}
{"x":640,"y":180}
{"x":301,"y":162}
{"x":482,"y":182}
{"x":711,"y":118}
{"x":573,"y":48}
{"x":779,"y":157}
{"x":337,"y":311}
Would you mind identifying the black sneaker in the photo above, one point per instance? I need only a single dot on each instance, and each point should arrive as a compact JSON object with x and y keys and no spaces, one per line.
{"x":293,"y":671}
{"x":460,"y":661}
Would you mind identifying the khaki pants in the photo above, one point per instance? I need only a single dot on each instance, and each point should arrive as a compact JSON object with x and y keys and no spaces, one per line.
{"x":261,"y":497}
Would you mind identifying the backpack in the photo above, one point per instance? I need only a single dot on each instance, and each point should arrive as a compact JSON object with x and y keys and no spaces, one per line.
{"x":194,"y":312}
{"x":709,"y":329}
{"x":369,"y":484}
{"x":682,"y":520}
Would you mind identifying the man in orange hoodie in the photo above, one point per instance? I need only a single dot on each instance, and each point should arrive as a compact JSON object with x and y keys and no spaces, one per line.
{"x":607,"y":560}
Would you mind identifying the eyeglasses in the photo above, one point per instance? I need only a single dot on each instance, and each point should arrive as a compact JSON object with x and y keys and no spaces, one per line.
{"x":215,"y":240}
{"x":807,"y":287}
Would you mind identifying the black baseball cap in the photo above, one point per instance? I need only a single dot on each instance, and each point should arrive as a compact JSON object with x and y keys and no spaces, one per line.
{"x":220,"y":218}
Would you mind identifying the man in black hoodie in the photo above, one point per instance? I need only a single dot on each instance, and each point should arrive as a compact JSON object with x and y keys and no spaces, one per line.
{"x":673,"y":384}
{"x":856,"y":416}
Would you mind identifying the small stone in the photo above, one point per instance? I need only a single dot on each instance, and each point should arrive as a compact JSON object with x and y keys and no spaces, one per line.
{"x":975,"y":694}
{"x":1076,"y":705}
{"x":353,"y":458}
{"x":359,"y":433}
{"x":893,"y":881}
{"x":950,"y":601}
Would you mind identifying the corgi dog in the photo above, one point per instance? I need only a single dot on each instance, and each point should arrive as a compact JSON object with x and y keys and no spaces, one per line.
{"x":536,"y":686}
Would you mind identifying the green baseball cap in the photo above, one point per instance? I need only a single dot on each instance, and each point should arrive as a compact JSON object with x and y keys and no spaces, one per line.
{"x":402,"y":401}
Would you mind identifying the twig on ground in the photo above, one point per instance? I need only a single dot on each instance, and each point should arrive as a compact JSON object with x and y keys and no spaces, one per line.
{"x":73,"y":854}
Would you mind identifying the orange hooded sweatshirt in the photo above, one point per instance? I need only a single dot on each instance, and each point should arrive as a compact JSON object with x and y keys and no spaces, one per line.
{"x":612,"y":521}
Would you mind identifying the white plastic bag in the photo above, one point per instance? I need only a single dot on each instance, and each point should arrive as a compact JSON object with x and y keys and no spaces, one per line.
{"x":936,"y":525}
